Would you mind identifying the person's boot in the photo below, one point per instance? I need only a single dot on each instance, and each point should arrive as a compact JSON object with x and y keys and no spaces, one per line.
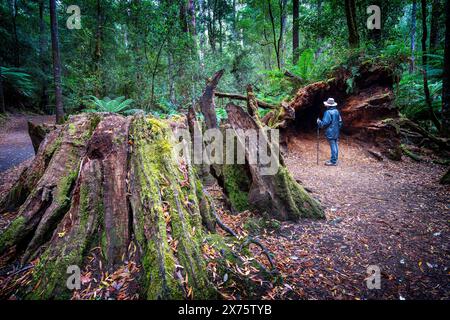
{"x":329,"y":163}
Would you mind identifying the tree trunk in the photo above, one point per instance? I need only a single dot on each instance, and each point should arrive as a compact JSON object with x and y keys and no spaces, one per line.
{"x":350,"y":13}
{"x":207,"y":104}
{"x":446,"y":76}
{"x":281,"y":38}
{"x":274,"y":35}
{"x":56,"y":63}
{"x":241,"y":97}
{"x":412,"y":65}
{"x":436,"y":10}
{"x":2,"y":95}
{"x":295,"y":28}
{"x":191,"y":11}
{"x":279,"y":195}
{"x":247,"y":184}
{"x":16,"y":39}
{"x":428,"y":100}
{"x":98,"y":49}
{"x":43,"y":57}
{"x":112,"y":184}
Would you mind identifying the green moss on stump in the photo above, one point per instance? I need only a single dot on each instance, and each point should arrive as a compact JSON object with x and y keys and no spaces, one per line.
{"x":298,"y":202}
{"x":237,"y":185}
{"x":8,"y":237}
{"x":168,"y":221}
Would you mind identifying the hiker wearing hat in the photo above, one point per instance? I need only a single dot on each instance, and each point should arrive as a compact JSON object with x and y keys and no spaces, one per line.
{"x":332,"y":122}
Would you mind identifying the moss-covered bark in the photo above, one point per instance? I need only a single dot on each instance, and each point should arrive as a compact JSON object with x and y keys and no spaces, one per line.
{"x":278,"y":194}
{"x":108,"y":181}
{"x":167,"y":216}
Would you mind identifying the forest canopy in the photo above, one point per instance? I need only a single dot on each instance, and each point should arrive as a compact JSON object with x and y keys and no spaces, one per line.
{"x":159,"y":53}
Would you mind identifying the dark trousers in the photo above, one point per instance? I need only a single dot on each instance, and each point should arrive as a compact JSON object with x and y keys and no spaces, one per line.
{"x":334,"y":150}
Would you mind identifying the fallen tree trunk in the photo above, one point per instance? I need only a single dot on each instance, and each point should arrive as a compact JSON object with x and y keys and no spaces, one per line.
{"x":364,"y":106}
{"x":112,"y":183}
{"x":237,"y":96}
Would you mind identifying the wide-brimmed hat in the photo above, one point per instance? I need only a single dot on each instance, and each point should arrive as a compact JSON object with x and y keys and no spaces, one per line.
{"x":330,"y":103}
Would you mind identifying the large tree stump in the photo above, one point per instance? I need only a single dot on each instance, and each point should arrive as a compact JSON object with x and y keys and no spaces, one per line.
{"x":279,"y":195}
{"x":110,"y":182}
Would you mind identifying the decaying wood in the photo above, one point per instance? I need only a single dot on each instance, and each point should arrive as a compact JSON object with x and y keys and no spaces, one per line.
{"x":278,"y":195}
{"x":296,"y":79}
{"x":363,"y":109}
{"x":414,"y":128}
{"x":206,"y":102}
{"x":106,"y":181}
{"x":37,"y":133}
{"x":280,"y":117}
{"x":237,"y":96}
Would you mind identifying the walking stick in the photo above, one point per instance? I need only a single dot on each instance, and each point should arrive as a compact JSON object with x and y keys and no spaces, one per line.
{"x":317,"y":159}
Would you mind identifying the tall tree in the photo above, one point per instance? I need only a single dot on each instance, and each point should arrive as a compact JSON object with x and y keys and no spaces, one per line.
{"x":56,"y":63}
{"x":278,"y":44}
{"x":436,"y":10}
{"x":43,"y":56}
{"x":295,"y":27}
{"x":2,"y":96}
{"x":446,"y":75}
{"x":412,"y":65}
{"x":191,"y":11}
{"x":350,"y":14}
{"x":98,"y":46}
{"x":281,"y":38}
{"x":13,"y":5}
{"x":426,"y":89}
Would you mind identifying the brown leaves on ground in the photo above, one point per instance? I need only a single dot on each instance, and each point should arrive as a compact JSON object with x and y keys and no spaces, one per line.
{"x":96,"y":283}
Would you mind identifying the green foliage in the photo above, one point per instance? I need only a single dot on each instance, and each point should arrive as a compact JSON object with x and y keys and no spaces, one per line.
{"x":18,"y":81}
{"x":305,"y":64}
{"x":410,"y":93}
{"x":117,"y":105}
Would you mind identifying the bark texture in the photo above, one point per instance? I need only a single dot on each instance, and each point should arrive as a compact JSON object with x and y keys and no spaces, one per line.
{"x":278,"y":195}
{"x":56,"y":63}
{"x":446,"y":75}
{"x":350,"y":14}
{"x":110,"y":182}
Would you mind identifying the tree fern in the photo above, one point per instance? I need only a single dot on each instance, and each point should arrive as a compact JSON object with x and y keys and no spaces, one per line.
{"x":117,"y":105}
{"x":17,"y":80}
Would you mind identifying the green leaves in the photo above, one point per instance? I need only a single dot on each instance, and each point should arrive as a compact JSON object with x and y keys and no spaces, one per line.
{"x":18,"y":80}
{"x":117,"y":105}
{"x":305,"y":63}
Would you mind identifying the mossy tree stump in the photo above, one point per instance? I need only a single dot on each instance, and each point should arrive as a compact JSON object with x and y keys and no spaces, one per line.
{"x":104,"y":180}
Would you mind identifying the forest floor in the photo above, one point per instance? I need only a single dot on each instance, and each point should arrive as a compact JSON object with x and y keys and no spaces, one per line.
{"x":15,"y":143}
{"x":394,"y":215}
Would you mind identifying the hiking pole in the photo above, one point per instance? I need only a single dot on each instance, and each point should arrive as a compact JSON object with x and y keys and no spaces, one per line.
{"x":317,"y":158}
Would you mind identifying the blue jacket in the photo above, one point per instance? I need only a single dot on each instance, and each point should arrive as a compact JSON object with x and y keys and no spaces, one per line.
{"x":332,"y":122}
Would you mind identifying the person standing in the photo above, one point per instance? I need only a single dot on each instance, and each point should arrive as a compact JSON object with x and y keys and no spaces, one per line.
{"x":332,"y":122}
